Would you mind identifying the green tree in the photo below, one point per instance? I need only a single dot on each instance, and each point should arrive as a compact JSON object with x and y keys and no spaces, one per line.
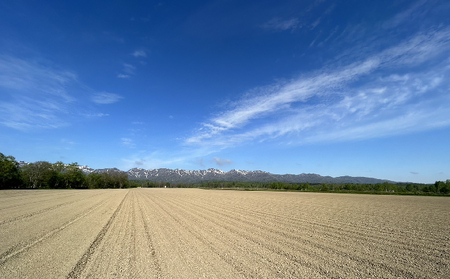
{"x":442,"y":187}
{"x":38,"y":174}
{"x":74,"y":177}
{"x":57,"y":179}
{"x":94,"y":181}
{"x":446,"y":187}
{"x":9,"y":172}
{"x":409,"y":187}
{"x":438,"y":185}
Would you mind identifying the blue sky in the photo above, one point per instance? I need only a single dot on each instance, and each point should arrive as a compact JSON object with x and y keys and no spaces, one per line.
{"x":356,"y":88}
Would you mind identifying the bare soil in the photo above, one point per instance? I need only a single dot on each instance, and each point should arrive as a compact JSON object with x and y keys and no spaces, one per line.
{"x":192,"y":233}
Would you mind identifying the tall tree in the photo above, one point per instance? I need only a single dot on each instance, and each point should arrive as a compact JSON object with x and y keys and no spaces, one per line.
{"x":94,"y":181}
{"x":38,"y":174}
{"x":9,"y":172}
{"x":74,"y":177}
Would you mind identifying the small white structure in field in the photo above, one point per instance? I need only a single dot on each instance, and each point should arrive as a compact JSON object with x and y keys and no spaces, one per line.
{"x":165,"y":186}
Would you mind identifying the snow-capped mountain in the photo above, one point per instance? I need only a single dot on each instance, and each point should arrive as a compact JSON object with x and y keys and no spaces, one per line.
{"x":196,"y":176}
{"x":22,"y":163}
{"x":86,"y":169}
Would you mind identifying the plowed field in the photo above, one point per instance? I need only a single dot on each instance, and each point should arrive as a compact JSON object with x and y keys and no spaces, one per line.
{"x":192,"y":233}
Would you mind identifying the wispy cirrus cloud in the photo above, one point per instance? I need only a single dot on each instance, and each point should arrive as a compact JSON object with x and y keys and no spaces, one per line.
{"x":27,"y":113}
{"x":128,"y":142}
{"x":123,"y":76}
{"x":278,"y":24}
{"x":105,"y":98}
{"x":139,"y":53}
{"x":415,"y":11}
{"x":386,"y":93}
{"x":36,"y":94}
{"x":94,"y":115}
{"x":127,"y":71}
{"x":34,"y":78}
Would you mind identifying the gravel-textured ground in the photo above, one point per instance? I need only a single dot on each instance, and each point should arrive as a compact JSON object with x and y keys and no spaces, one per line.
{"x":191,"y":233}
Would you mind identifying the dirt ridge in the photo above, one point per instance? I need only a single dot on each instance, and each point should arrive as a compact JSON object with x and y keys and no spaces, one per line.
{"x":79,"y":267}
{"x":22,"y":247}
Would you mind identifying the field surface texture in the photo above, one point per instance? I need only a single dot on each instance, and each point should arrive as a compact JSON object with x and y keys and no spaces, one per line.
{"x":192,"y":233}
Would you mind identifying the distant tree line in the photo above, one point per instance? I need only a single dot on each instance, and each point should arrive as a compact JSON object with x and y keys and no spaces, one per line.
{"x":438,"y":188}
{"x":45,"y":175}
{"x":161,"y":184}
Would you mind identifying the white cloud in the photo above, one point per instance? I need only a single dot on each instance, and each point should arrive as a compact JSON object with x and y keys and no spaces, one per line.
{"x":34,"y":95}
{"x":105,"y":98}
{"x":383,"y":94}
{"x":412,"y":13}
{"x":129,"y":69}
{"x":316,"y":22}
{"x":128,"y":142}
{"x":278,"y":24}
{"x":139,"y":53}
{"x":92,"y":115}
{"x":27,"y":113}
{"x":274,"y":98}
{"x":38,"y":95}
{"x":31,"y":78}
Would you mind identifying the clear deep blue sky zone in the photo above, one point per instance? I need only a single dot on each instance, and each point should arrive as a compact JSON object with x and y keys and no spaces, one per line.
{"x":336,"y":88}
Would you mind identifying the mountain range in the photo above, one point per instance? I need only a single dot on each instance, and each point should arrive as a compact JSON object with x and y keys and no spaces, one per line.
{"x":196,"y":176}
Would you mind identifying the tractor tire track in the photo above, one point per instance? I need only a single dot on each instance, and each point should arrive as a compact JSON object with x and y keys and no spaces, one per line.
{"x":22,"y":247}
{"x":32,"y":214}
{"x":81,"y":264}
{"x":153,"y":253}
